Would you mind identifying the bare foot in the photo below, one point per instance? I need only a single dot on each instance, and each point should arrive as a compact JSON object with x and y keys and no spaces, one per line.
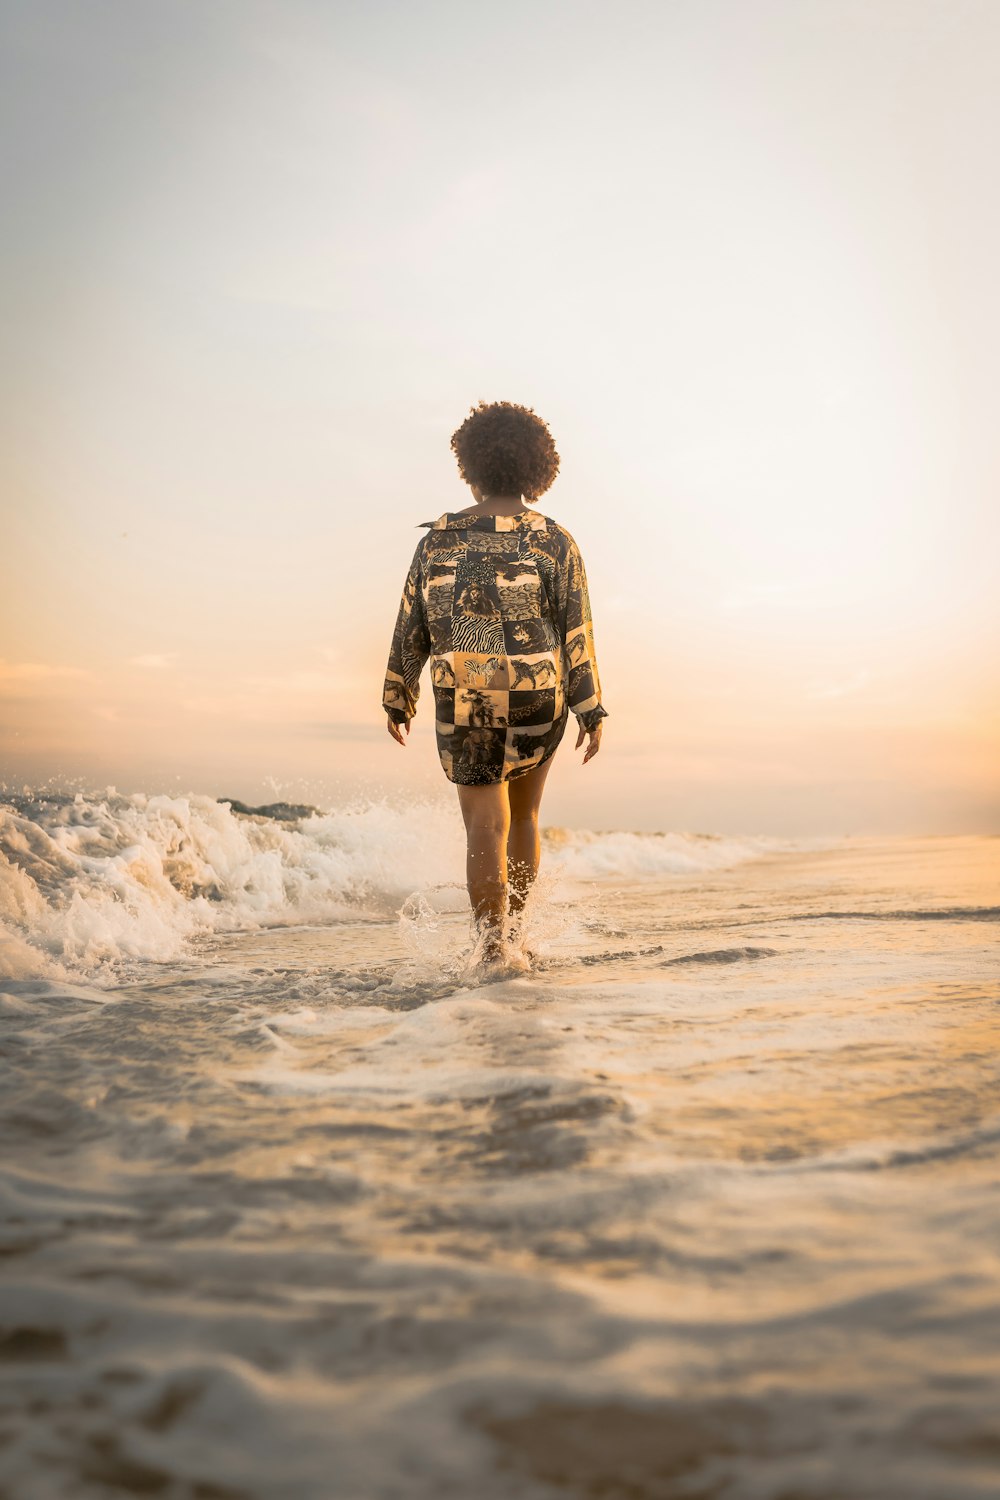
{"x":518,"y":942}
{"x":494,"y":956}
{"x":510,"y":966}
{"x":491,"y":949}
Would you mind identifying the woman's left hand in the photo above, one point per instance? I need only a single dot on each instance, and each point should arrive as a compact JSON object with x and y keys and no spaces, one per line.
{"x":396,"y":730}
{"x":594,"y":736}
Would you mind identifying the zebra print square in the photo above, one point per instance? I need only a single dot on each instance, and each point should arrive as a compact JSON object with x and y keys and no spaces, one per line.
{"x":477,"y":669}
{"x":478,"y":636}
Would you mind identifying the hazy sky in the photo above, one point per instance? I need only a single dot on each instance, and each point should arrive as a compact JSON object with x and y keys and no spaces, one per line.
{"x":259,"y":260}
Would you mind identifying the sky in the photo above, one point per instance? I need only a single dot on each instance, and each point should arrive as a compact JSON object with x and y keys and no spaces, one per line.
{"x":260,"y":259}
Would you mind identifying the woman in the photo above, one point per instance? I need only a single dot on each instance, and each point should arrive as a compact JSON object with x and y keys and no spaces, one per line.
{"x":496,"y":597}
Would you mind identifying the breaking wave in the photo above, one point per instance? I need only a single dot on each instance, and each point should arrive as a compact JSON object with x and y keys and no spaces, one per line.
{"x":90,"y":880}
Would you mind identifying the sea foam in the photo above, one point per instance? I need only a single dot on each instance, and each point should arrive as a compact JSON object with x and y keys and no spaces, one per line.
{"x":90,"y":881}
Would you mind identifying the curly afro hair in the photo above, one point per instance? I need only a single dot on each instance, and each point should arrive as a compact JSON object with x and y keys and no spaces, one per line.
{"x":505,"y":449}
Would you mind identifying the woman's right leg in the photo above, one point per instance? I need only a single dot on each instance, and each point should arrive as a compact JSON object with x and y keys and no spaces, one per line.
{"x":486,"y":811}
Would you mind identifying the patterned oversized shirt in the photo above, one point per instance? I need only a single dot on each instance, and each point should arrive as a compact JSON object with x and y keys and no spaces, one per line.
{"x":499,"y":604}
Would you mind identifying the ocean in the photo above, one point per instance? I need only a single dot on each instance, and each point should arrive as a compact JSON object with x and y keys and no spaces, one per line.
{"x":705,"y":1205}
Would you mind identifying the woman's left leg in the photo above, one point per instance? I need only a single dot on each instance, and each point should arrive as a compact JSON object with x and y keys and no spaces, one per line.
{"x":523,"y":840}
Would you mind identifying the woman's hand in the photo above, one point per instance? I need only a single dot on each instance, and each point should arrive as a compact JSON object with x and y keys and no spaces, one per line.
{"x":594,"y":736}
{"x":396,"y":730}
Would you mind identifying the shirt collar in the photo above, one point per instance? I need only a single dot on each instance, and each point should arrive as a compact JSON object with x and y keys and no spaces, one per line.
{"x":525,"y":520}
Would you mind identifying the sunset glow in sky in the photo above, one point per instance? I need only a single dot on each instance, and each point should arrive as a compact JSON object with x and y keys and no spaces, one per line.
{"x":260,"y":259}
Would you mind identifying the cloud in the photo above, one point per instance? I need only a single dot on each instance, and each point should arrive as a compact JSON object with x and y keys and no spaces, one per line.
{"x":36,"y":671}
{"x":843,"y":688}
{"x":303,"y":680}
{"x":753,"y":595}
{"x":157,"y":661}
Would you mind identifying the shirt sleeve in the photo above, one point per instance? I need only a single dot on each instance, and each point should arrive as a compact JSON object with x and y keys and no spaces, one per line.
{"x":578,"y":642}
{"x":410,"y":647}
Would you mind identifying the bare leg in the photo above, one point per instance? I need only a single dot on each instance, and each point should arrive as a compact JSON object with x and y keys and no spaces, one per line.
{"x":486,"y":811}
{"x":523,"y":843}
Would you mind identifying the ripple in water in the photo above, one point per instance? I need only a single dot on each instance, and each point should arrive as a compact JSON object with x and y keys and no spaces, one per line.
{"x":703,"y":1205}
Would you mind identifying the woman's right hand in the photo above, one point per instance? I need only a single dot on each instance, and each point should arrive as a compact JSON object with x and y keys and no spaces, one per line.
{"x":396,"y":730}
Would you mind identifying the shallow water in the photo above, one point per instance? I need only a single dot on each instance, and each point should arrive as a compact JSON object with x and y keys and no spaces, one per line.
{"x":704,"y":1206}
